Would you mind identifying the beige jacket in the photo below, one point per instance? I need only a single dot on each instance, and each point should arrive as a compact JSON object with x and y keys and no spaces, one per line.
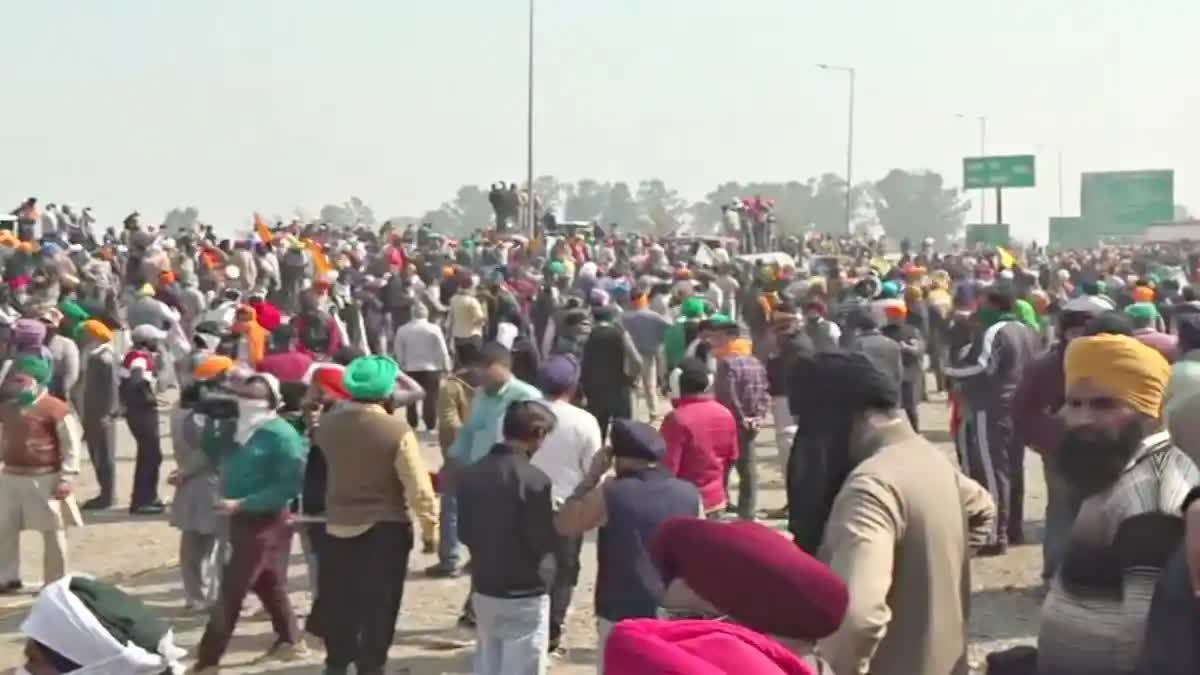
{"x":900,"y":534}
{"x":467,"y":316}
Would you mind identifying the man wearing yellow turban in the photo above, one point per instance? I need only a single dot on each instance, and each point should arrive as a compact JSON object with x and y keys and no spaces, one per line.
{"x":1132,"y":479}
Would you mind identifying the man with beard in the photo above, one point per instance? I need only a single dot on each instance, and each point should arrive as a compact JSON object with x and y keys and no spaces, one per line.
{"x":892,"y":516}
{"x":1115,"y":454}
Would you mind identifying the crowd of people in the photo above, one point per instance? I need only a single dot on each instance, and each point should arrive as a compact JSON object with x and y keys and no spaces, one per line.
{"x":298,"y":365}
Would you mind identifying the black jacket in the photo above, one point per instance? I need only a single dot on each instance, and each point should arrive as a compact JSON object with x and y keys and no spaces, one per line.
{"x":791,"y":347}
{"x":1172,"y":642}
{"x":883,"y":352}
{"x":506,"y":519}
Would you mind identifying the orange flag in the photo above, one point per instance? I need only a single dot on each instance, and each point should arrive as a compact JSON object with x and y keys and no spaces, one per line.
{"x":320,"y":262}
{"x":260,"y":226}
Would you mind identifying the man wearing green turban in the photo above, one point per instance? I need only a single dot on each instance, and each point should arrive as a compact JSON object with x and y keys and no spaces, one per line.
{"x":36,"y":371}
{"x":371,"y":378}
{"x":1145,"y":318}
{"x":376,"y":473}
{"x":40,"y":453}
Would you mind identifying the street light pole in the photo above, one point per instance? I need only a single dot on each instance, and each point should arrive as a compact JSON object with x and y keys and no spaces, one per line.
{"x":530,"y":210}
{"x":849,"y":145}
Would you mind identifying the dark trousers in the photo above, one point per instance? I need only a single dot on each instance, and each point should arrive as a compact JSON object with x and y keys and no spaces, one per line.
{"x":100,"y":437}
{"x":143,"y":426}
{"x":430,"y":381}
{"x":608,"y":410}
{"x":361,"y":584}
{"x":1016,"y":512}
{"x":987,"y":457}
{"x":566,"y":576}
{"x":747,"y":472}
{"x":316,"y":541}
{"x":459,"y":342}
{"x":909,"y":396}
{"x":259,"y":544}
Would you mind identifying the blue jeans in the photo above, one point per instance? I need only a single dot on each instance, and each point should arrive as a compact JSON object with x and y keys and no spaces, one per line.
{"x":512,"y":635}
{"x":448,"y":529}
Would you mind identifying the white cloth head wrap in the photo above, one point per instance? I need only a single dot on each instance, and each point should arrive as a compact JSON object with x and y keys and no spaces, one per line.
{"x":61,"y":621}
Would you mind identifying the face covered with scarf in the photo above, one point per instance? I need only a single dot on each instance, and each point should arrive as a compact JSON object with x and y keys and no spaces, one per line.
{"x":831,"y":392}
{"x":258,"y":399}
{"x":1114,"y":394}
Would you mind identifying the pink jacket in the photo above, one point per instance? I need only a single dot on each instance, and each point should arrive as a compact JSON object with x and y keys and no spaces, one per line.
{"x":653,"y":647}
{"x":702,"y":443}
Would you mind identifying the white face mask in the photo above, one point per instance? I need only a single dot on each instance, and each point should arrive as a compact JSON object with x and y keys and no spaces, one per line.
{"x":252,"y":414}
{"x":250,"y":407}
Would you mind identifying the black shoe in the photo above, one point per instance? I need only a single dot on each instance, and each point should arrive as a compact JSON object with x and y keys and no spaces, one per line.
{"x":97,"y":503}
{"x":992,"y":550}
{"x":440,"y":571}
{"x":777,"y":514}
{"x":151,"y":509}
{"x":10,"y":587}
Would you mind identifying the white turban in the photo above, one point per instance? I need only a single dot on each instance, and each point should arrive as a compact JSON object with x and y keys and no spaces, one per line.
{"x":61,"y":621}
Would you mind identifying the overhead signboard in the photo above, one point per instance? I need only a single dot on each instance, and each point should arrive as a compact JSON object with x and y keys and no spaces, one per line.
{"x":1002,"y":171}
{"x":1127,"y":202}
{"x":988,"y":234}
{"x":1070,"y":233}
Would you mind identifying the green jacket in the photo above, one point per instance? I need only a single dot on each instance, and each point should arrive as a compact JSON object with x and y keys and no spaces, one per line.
{"x":267,"y":472}
{"x":675,"y":343}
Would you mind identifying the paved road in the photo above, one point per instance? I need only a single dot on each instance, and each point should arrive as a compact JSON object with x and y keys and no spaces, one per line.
{"x":140,"y":553}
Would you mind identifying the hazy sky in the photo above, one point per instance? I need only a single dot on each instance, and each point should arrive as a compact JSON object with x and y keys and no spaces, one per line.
{"x":241,"y":105}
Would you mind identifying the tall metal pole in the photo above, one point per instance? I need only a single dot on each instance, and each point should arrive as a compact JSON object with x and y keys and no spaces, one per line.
{"x":850,"y":159}
{"x":849,"y":146}
{"x":530,"y":210}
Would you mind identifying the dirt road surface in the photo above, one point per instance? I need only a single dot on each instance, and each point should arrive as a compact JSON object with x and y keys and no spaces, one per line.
{"x":140,"y":553}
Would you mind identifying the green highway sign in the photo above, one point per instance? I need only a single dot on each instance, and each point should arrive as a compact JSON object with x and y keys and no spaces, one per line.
{"x":1002,"y":171}
{"x":988,"y":234}
{"x":1066,"y":233}
{"x":1126,"y":202}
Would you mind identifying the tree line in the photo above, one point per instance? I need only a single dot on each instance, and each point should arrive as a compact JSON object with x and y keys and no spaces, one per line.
{"x":912,"y":204}
{"x":903,"y":203}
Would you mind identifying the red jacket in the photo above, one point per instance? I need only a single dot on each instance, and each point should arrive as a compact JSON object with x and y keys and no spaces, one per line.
{"x":702,"y":443}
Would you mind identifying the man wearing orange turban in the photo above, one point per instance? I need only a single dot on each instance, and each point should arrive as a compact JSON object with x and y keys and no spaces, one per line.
{"x":211,"y":367}
{"x":1132,"y":479}
{"x":97,"y":405}
{"x":97,"y":330}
